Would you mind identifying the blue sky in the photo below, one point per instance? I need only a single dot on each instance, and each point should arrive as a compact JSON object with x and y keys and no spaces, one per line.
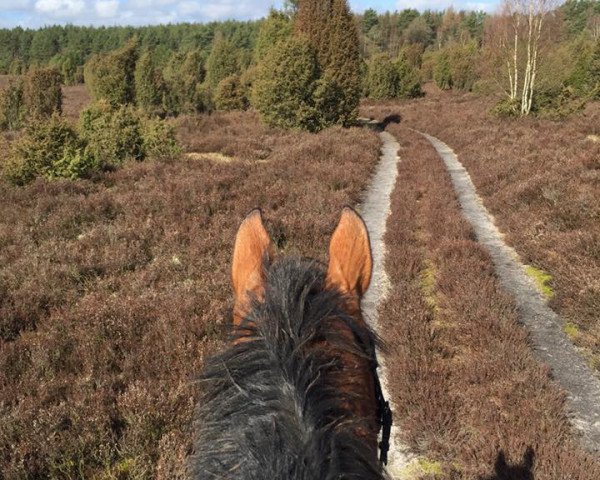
{"x":35,"y":13}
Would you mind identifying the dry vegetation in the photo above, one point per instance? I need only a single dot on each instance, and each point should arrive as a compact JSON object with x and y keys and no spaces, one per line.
{"x":112,"y":292}
{"x":541,"y":181}
{"x":470,"y":396}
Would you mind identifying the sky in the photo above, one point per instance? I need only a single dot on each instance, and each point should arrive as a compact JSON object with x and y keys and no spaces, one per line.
{"x":36,"y":13}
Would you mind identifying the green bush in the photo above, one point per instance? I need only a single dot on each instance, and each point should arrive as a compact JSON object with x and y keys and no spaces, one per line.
{"x":285,"y":82}
{"x":382,"y":78}
{"x":108,"y":137}
{"x":392,"y":79}
{"x":222,"y":62}
{"x":230,"y":94}
{"x":150,"y":86}
{"x":12,"y":107}
{"x":184,"y":75}
{"x":273,"y":29}
{"x":112,"y":134}
{"x":42,"y":92}
{"x":442,"y":70}
{"x":409,"y":80}
{"x":158,"y":139}
{"x":329,"y":100}
{"x":111,"y":77}
{"x":48,"y":148}
{"x":463,"y":59}
{"x":507,"y":108}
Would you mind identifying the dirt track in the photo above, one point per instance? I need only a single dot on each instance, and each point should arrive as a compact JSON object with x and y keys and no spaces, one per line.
{"x":375,"y":210}
{"x":551,"y":344}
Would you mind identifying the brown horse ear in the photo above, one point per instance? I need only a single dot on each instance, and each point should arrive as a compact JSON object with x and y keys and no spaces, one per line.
{"x":350,"y":261}
{"x":252,"y":247}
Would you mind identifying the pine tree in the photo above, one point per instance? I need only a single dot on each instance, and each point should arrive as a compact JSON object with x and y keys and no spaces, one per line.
{"x":329,"y":27}
{"x":343,"y":59}
{"x":222,"y":61}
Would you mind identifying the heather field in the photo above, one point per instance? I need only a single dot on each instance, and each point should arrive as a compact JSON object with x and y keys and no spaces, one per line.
{"x":114,"y":290}
{"x":541,"y":181}
{"x":470,"y":396}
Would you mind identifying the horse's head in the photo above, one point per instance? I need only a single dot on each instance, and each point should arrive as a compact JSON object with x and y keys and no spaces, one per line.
{"x":348,"y":271}
{"x":296,"y":393}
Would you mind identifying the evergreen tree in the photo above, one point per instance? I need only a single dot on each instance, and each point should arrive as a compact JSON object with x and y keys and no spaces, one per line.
{"x":343,"y":59}
{"x":43,"y":92}
{"x":285,"y":82}
{"x":184,"y":74}
{"x":222,"y":62}
{"x":149,"y":84}
{"x":409,"y":80}
{"x":12,"y":107}
{"x":369,"y":20}
{"x":112,"y":76}
{"x":275,"y":28}
{"x":442,"y":70}
{"x":462,"y":65}
{"x":594,"y":71}
{"x":382,"y":78}
{"x":329,"y":27}
{"x":230,"y":94}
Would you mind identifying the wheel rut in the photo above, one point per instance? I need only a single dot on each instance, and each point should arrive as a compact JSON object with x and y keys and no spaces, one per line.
{"x":375,"y":210}
{"x":550,"y":343}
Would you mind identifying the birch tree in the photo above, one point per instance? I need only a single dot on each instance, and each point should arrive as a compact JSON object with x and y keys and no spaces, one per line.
{"x":524,"y":21}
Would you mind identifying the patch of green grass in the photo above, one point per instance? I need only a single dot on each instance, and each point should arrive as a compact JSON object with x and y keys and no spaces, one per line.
{"x":541,"y":279}
{"x":571,"y":330}
{"x":422,"y":467}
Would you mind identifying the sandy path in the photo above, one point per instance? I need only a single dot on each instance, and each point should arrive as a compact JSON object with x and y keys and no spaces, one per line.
{"x":551,"y":345}
{"x":375,"y":210}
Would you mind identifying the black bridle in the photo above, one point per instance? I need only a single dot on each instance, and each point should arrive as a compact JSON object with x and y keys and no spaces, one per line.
{"x":384,"y":412}
{"x":384,"y":415}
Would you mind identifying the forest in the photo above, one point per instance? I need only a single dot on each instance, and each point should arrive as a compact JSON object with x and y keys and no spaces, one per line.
{"x":456,"y":49}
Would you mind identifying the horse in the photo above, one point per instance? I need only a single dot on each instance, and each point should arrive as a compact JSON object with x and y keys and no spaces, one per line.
{"x":295,"y":395}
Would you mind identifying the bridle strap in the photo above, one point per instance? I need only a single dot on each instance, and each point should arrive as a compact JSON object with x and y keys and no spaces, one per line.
{"x":384,"y":412}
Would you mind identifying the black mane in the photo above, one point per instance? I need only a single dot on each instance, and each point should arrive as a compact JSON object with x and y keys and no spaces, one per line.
{"x":269,"y":409}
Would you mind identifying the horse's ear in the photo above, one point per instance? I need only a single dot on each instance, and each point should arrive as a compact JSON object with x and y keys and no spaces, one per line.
{"x":253,"y":246}
{"x":350,"y":261}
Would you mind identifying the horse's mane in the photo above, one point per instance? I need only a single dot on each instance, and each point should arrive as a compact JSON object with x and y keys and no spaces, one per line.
{"x":269,"y":409}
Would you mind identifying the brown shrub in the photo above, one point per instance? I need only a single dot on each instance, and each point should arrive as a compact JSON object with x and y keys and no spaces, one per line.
{"x":118,"y":289}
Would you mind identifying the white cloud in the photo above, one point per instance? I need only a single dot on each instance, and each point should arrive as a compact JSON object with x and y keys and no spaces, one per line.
{"x":36,"y":13}
{"x":486,"y":5}
{"x":106,"y":8}
{"x":60,"y":8}
{"x":14,"y":4}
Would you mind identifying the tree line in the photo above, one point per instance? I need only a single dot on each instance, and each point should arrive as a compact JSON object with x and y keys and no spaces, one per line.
{"x":175,"y":69}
